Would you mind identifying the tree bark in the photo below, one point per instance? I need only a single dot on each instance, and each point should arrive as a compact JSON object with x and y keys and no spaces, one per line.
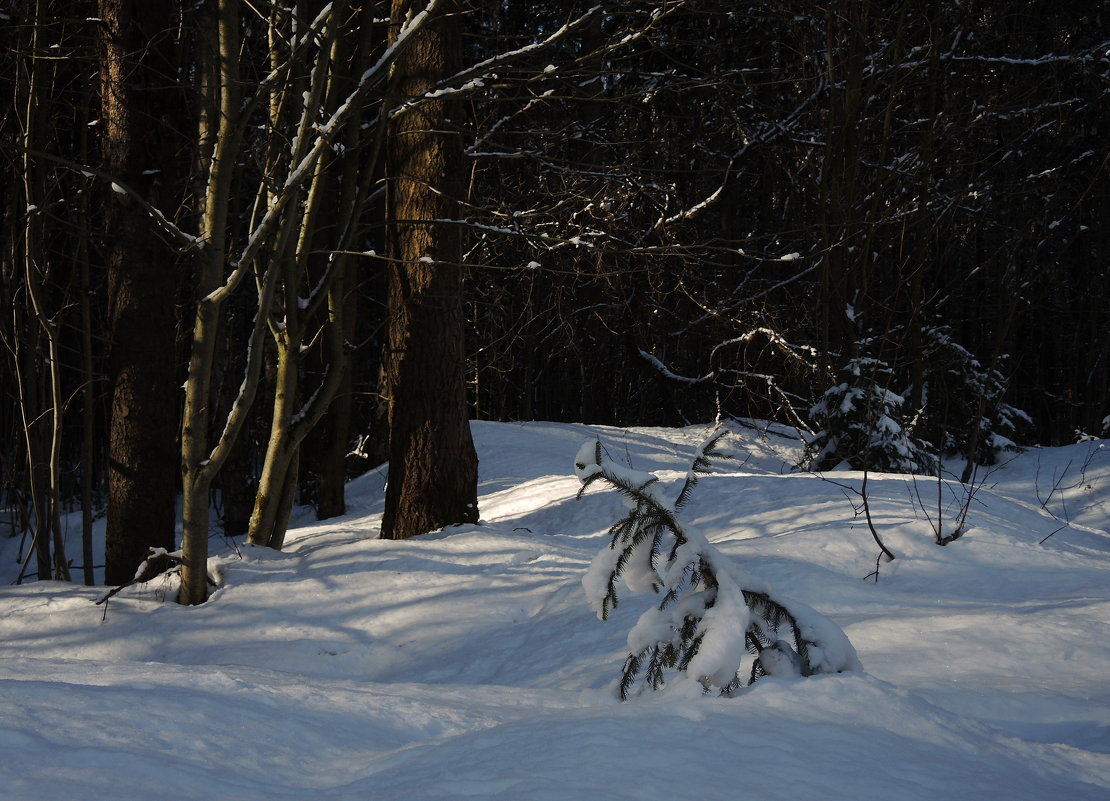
{"x":140,"y":106}
{"x":433,"y":467}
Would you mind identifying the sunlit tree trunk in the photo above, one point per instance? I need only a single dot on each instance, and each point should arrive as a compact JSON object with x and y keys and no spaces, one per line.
{"x":220,"y":84}
{"x":433,"y":468}
{"x":320,"y":314}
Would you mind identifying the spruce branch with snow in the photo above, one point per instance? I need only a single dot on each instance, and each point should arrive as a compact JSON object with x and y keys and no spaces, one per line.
{"x":715,"y":624}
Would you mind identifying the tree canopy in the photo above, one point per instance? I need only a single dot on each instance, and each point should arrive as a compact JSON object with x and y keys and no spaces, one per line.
{"x":640,"y":213}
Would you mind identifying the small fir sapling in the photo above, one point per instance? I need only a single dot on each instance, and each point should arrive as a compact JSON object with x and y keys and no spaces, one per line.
{"x":711,"y":614}
{"x":861,"y":422}
{"x":964,"y":410}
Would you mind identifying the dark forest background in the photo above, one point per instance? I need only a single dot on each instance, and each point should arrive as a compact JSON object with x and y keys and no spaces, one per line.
{"x":883,"y":223}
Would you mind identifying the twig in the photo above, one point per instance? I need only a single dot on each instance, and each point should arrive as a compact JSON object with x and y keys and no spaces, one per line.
{"x":1057,"y":531}
{"x":865,"y":507}
{"x":875,"y":572}
{"x":871,"y":525}
{"x":1055,"y":482}
{"x":157,"y":562}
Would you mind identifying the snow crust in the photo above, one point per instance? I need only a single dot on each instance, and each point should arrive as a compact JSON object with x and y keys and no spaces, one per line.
{"x":466,"y":664}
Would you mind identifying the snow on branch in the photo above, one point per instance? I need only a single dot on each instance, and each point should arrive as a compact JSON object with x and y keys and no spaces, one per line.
{"x":473,"y":151}
{"x":474,"y":76}
{"x":1096,"y":54}
{"x":773,"y":337}
{"x":511,"y":55}
{"x":655,"y":362}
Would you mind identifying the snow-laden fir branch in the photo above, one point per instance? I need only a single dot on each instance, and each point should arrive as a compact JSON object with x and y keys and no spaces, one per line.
{"x":712,"y":615}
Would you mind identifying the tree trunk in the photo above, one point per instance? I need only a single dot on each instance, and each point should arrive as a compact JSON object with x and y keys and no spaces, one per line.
{"x":140,"y":109}
{"x":281,"y":451}
{"x":237,"y":482}
{"x":88,"y":419}
{"x":325,"y":452}
{"x":323,"y":311}
{"x":198,"y":467}
{"x":433,"y":467}
{"x":40,"y":384}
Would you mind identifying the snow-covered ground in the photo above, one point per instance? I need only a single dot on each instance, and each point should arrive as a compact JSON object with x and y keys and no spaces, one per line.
{"x":468,"y":664}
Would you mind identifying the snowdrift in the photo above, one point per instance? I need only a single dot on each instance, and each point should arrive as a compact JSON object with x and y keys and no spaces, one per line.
{"x":468,"y":664}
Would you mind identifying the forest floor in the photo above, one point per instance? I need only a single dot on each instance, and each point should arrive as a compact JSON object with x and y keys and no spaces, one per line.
{"x":468,"y":664}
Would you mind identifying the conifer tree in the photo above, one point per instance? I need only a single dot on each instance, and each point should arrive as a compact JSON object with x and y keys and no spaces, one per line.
{"x":862,"y":422}
{"x":964,"y":411}
{"x":711,"y":614}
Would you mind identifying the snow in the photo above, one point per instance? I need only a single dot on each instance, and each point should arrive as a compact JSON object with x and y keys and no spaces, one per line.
{"x":468,"y":663}
{"x":655,"y":362}
{"x":475,"y":83}
{"x":722,"y":647}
